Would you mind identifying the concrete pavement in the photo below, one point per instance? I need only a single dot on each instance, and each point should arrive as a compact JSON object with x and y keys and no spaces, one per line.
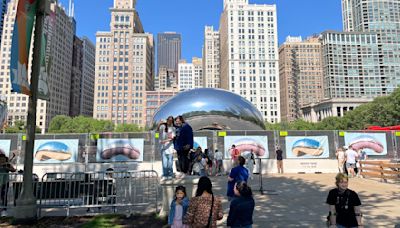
{"x":298,"y":200}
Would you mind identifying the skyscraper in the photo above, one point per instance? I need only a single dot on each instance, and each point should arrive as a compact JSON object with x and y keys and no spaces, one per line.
{"x":211,"y":58}
{"x":168,"y":50}
{"x":76,"y":77}
{"x":3,"y":10}
{"x":383,"y":18}
{"x":300,"y":75}
{"x":167,"y":79}
{"x":249,"y":55}
{"x":59,"y":77}
{"x":363,"y":62}
{"x":124,"y":67}
{"x":88,"y":75}
{"x":190,"y":74}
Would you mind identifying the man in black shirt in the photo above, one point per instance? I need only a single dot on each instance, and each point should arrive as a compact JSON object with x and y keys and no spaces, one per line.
{"x":344,"y":204}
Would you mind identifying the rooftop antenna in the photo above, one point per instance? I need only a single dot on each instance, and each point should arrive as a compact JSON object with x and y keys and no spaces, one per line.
{"x":71,"y":8}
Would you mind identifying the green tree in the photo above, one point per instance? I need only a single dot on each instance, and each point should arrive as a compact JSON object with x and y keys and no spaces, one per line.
{"x":59,"y":123}
{"x":127,"y":128}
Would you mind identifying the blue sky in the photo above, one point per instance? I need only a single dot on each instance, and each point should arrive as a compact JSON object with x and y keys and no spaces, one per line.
{"x":188,"y":17}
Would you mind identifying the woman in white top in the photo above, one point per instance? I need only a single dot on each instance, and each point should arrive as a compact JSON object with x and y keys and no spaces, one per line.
{"x":167,"y":133}
{"x":340,"y":155}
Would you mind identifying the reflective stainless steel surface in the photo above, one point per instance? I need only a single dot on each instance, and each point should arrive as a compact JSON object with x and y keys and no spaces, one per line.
{"x":209,"y":108}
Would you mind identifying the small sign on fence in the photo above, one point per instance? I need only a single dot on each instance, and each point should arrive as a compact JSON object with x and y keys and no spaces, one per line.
{"x":222,"y":133}
{"x":283,"y":133}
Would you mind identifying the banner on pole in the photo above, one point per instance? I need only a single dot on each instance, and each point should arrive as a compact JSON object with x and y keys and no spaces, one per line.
{"x":21,"y":42}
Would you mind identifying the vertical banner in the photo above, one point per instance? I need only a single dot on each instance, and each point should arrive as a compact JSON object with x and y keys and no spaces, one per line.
{"x":45,"y":56}
{"x":43,"y":88}
{"x":21,"y":42}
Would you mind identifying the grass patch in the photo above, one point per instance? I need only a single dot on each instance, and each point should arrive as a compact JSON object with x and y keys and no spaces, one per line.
{"x":111,"y":221}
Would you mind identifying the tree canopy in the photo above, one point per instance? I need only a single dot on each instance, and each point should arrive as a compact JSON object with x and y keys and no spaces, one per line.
{"x":82,"y":124}
{"x":382,"y":111}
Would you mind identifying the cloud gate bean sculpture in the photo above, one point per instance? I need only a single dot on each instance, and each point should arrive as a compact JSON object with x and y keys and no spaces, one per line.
{"x":209,"y":108}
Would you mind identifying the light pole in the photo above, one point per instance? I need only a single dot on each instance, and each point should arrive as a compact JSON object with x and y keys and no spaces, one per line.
{"x":26,"y":209}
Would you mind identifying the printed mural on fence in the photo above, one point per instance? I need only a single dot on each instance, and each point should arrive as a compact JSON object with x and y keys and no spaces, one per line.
{"x":5,"y":146}
{"x":257,"y":143}
{"x":307,"y":147}
{"x":119,"y":150}
{"x":55,"y":150}
{"x":371,"y":143}
{"x":200,"y":141}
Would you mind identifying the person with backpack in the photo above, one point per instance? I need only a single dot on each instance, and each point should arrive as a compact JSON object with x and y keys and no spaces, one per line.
{"x":344,"y":205}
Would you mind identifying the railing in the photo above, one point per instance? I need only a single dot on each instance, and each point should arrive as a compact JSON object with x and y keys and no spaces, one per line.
{"x":85,"y":190}
{"x":380,"y":169}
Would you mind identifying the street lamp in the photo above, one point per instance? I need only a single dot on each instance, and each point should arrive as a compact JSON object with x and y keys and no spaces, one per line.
{"x":26,"y":209}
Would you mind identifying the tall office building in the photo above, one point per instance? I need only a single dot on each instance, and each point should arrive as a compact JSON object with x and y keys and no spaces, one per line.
{"x":167,"y":79}
{"x":88,"y":75}
{"x":3,"y":10}
{"x":352,"y":65}
{"x":190,"y":75}
{"x":124,"y":67}
{"x":198,"y":78}
{"x":76,"y":77}
{"x":154,"y":99}
{"x":59,"y":77}
{"x":363,"y":62}
{"x":211,"y":58}
{"x":249,"y":55}
{"x":185,"y":75}
{"x":383,"y":18}
{"x":300,"y":75}
{"x":168,"y":50}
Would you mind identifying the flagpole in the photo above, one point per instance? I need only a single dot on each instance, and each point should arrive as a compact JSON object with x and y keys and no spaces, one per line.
{"x":26,"y":209}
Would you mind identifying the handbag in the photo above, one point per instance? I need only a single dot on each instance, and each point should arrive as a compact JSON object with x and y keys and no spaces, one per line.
{"x":210,"y":217}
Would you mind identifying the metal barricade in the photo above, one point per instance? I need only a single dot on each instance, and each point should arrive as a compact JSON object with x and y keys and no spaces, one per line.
{"x":10,"y":190}
{"x":98,"y":189}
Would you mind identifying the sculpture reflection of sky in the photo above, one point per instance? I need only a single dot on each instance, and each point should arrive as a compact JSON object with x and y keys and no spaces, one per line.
{"x":206,"y":107}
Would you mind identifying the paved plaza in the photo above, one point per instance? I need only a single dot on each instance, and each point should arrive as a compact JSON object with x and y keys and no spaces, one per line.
{"x":298,"y":200}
